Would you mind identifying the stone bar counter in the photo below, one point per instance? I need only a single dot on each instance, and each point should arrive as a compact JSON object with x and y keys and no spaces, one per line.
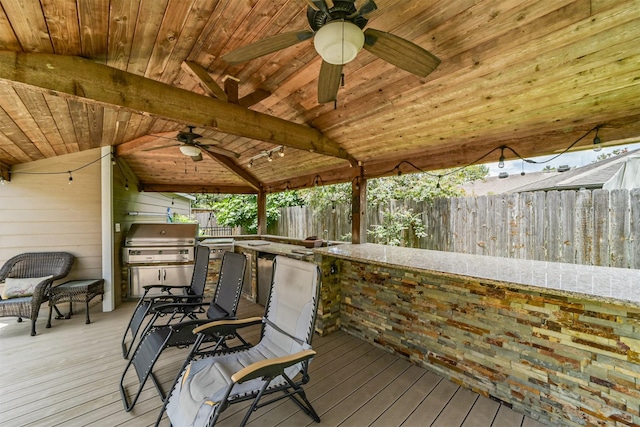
{"x":558,"y":342}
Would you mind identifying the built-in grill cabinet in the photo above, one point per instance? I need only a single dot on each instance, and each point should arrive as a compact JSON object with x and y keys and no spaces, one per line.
{"x":159,"y":254}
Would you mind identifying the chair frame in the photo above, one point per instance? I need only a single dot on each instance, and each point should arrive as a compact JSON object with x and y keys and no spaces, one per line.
{"x":29,"y":265}
{"x":194,"y":292}
{"x":268,"y":369}
{"x":158,"y":337}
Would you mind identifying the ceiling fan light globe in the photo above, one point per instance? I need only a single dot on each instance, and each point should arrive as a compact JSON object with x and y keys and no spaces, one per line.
{"x":190,"y":150}
{"x":338,"y":42}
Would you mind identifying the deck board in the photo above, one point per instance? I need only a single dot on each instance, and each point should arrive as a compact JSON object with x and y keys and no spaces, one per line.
{"x":70,"y":373}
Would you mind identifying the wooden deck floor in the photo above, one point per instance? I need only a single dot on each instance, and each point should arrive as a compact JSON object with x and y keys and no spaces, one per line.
{"x":68,"y":376}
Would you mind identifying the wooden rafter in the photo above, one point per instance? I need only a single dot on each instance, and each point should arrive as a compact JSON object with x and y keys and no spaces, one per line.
{"x":82,"y":79}
{"x":143,"y":142}
{"x":234,"y":168}
{"x":199,"y":74}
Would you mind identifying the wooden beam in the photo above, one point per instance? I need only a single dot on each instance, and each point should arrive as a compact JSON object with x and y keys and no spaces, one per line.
{"x":262,"y":212}
{"x":5,"y":172}
{"x":199,"y":74}
{"x":236,"y":169}
{"x":359,"y":209}
{"x":253,"y":98}
{"x":144,"y":142}
{"x":204,"y":189}
{"x":231,"y":89}
{"x":81,"y":79}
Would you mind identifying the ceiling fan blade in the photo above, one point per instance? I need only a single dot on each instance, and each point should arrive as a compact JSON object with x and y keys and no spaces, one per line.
{"x":197,"y":158}
{"x":218,"y":150}
{"x":329,"y":82}
{"x":320,"y":5}
{"x":400,"y":52}
{"x":266,"y":46}
{"x":365,"y":9}
{"x":160,"y":147}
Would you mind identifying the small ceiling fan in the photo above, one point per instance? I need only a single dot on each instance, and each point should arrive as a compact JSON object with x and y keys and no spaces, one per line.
{"x":338,"y":37}
{"x":191,"y":145}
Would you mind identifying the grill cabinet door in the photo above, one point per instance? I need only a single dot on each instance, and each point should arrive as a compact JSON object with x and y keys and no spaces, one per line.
{"x":177,"y":274}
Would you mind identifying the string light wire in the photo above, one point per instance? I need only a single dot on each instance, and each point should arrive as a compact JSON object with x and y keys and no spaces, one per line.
{"x":501,"y":148}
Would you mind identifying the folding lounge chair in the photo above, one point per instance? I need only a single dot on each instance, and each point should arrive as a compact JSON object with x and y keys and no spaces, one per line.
{"x":189,"y":293}
{"x":158,"y":337}
{"x":278,"y":364}
{"x":33,"y":274}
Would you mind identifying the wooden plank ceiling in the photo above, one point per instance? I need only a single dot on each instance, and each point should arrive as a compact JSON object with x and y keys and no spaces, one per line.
{"x":532,"y":75}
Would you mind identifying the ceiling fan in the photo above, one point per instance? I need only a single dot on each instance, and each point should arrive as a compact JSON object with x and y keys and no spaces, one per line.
{"x":191,"y":145}
{"x":338,"y":37}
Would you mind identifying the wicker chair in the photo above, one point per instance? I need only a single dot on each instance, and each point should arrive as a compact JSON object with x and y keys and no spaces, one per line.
{"x":32,"y":265}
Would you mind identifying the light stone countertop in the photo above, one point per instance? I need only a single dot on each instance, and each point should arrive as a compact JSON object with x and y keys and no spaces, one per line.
{"x":568,"y":279}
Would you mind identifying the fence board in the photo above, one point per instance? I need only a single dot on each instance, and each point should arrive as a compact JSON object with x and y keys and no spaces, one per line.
{"x":553,"y":230}
{"x":527,"y":225}
{"x":567,"y":215}
{"x":634,"y":228}
{"x":618,"y":230}
{"x":482,"y":236}
{"x":583,"y":232}
{"x":601,"y":227}
{"x":541,"y":249}
{"x":502,"y":225}
{"x":516,"y":249}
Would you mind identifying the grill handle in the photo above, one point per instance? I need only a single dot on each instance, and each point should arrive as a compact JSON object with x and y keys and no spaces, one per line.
{"x":158,"y":275}
{"x":164,"y":276}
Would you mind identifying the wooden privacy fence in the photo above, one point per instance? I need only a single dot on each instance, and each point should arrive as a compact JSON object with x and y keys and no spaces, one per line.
{"x":596,"y":227}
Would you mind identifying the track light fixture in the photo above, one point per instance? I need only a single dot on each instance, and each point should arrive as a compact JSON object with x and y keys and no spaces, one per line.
{"x":268,"y":154}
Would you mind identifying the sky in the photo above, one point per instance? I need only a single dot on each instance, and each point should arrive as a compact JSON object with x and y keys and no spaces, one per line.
{"x":571,"y":158}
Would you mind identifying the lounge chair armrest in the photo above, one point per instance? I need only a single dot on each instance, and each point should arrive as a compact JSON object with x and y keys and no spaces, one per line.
{"x":226,"y":327}
{"x":271,"y":367}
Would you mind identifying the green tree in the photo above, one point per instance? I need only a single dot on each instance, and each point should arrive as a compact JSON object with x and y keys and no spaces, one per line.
{"x":242,"y":210}
{"x":398,"y":227}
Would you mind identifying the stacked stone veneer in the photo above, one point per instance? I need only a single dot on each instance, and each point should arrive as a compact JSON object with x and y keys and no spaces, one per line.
{"x":560,"y":359}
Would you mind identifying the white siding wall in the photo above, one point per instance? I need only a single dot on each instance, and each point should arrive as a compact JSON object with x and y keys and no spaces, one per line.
{"x":43,"y":212}
{"x":40,"y":211}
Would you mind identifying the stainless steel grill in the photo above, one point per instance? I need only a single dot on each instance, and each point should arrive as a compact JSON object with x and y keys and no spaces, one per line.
{"x":160,"y":243}
{"x":218,"y":247}
{"x":159,"y":254}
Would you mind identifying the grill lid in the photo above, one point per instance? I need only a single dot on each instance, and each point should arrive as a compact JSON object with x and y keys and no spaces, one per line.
{"x":161,"y":235}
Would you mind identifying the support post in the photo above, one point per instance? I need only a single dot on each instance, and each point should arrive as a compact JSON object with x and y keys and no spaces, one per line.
{"x":359,"y":209}
{"x":262,"y":212}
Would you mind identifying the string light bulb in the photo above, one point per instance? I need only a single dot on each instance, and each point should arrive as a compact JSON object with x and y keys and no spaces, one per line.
{"x":126,"y":185}
{"x":2,"y":180}
{"x":501,"y":161}
{"x":250,"y":165}
{"x":281,"y":152}
{"x":597,"y":142}
{"x":269,"y":157}
{"x":70,"y":178}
